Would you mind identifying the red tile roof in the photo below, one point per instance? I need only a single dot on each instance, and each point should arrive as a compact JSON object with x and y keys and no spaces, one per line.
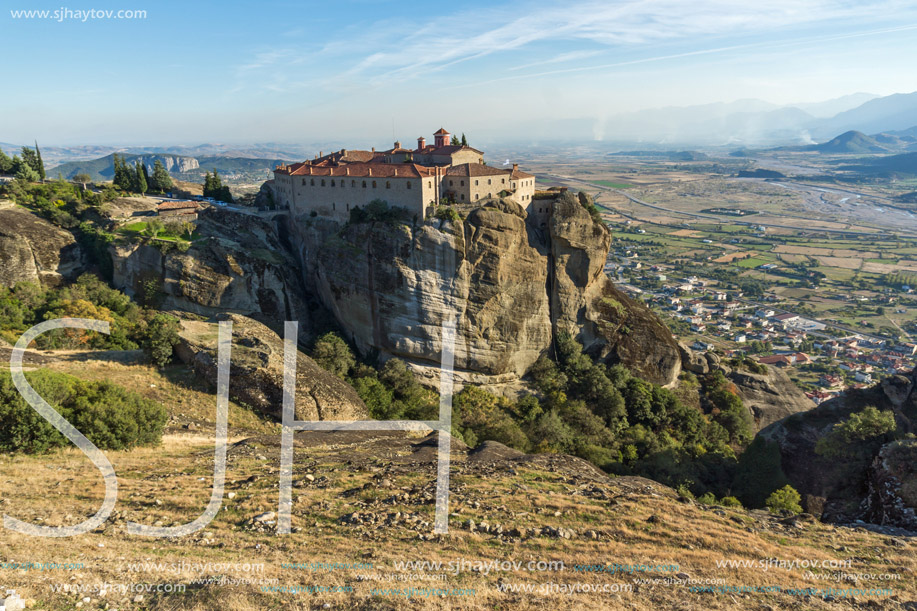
{"x":374,"y":170}
{"x":182,"y":204}
{"x":440,"y":131}
{"x":479,"y":169}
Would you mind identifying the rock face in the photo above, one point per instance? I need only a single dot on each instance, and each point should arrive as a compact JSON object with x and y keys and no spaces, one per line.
{"x":770,"y":397}
{"x":239,"y":266}
{"x":256,"y":372}
{"x":874,"y":487}
{"x":33,"y":249}
{"x":511,"y":286}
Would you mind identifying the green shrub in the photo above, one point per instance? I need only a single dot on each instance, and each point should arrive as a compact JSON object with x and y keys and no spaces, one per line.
{"x":110,"y":416}
{"x":445,"y":213}
{"x":859,"y":435}
{"x":707,"y":498}
{"x":159,"y":337}
{"x":333,"y":354}
{"x":784,"y":499}
{"x":730,"y":501}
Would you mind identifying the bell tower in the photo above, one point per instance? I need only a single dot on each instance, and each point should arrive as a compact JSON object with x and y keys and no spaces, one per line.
{"x":442,"y":137}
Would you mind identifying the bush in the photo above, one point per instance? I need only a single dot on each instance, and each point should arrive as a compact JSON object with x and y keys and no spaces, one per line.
{"x":730,"y":501}
{"x":858,"y":435}
{"x":707,"y":498}
{"x":785,"y":499}
{"x":333,"y":354}
{"x":159,"y":337}
{"x":445,"y":213}
{"x":110,"y":416}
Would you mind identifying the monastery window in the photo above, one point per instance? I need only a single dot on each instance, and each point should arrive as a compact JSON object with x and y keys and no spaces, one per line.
{"x":343,"y":183}
{"x":463,"y":197}
{"x":332,"y":205}
{"x":488,"y":181}
{"x":332,"y":182}
{"x":409,"y":184}
{"x":353,"y":183}
{"x":502,"y":181}
{"x":388,"y":184}
{"x":304,"y":182}
{"x":312,"y":182}
{"x":323,"y":182}
{"x":476,"y":196}
{"x":364,"y":184}
{"x":476,"y":183}
{"x":450,"y":183}
{"x":462,"y":183}
{"x":429,"y":184}
{"x":374,"y":184}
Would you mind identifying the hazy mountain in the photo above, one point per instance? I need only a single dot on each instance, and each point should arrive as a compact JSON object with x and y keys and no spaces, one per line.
{"x":181,"y":166}
{"x":830,"y":108}
{"x":850,"y":142}
{"x":894,"y":112}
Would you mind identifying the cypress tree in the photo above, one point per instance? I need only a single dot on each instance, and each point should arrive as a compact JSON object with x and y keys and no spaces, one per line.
{"x":162,"y":182}
{"x":139,"y":178}
{"x":464,"y":141}
{"x":146,"y":173}
{"x":41,"y":164}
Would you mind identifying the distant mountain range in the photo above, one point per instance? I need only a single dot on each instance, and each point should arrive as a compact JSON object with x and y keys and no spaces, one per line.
{"x":180,"y":166}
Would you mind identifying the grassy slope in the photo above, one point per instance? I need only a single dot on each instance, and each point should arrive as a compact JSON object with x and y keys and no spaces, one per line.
{"x":636,"y":521}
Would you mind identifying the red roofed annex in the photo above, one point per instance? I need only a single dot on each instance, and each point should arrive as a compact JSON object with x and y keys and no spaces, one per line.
{"x":332,"y":184}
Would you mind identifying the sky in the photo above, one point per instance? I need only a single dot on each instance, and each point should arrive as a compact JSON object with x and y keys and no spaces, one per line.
{"x":363,"y":71}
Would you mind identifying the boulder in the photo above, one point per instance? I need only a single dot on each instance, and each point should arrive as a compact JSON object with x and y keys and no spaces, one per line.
{"x":33,"y":249}
{"x":256,"y":372}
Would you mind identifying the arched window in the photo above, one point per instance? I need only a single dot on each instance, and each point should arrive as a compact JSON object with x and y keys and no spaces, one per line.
{"x":409,"y":184}
{"x":462,"y":183}
{"x":312,"y":182}
{"x":364,"y":184}
{"x":353,"y":183}
{"x":476,"y":196}
{"x":374,"y":184}
{"x":388,"y":184}
{"x":488,"y":181}
{"x":332,"y":182}
{"x":429,"y":183}
{"x":323,"y":182}
{"x":476,"y":183}
{"x":463,"y":197}
{"x":450,"y":183}
{"x":304,"y":182}
{"x":502,"y":181}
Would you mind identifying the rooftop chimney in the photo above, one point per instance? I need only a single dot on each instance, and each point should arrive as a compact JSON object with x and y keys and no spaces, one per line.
{"x":515,"y":167}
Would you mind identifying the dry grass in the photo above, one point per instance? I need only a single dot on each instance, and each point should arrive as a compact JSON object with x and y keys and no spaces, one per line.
{"x":636,"y":522}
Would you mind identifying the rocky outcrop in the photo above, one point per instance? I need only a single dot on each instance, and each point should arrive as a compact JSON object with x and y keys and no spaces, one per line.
{"x":33,"y":249}
{"x":770,"y":396}
{"x":256,"y":372}
{"x":888,"y":500}
{"x":237,"y":266}
{"x":851,"y":487}
{"x":511,"y":286}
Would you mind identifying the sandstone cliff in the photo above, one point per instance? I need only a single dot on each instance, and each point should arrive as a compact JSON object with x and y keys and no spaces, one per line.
{"x":848,"y":488}
{"x":770,"y":396}
{"x":256,"y":372}
{"x":512,"y":287}
{"x":238,"y":266}
{"x":33,"y":249}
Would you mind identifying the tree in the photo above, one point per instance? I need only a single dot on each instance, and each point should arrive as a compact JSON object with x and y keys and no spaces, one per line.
{"x":464,"y":140}
{"x":214,"y":187}
{"x":161,"y":181}
{"x":139,"y":179}
{"x":123,"y":176}
{"x":40,"y":164}
{"x":146,"y":173}
{"x":784,"y":499}
{"x":24,"y":171}
{"x":160,"y":336}
{"x":857,"y":435}
{"x":6,"y":164}
{"x":333,"y":354}
{"x":30,"y":158}
{"x":454,"y":141}
{"x":83,"y":178}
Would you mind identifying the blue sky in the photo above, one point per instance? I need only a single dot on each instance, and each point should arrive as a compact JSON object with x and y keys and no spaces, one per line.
{"x":193,"y":72}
